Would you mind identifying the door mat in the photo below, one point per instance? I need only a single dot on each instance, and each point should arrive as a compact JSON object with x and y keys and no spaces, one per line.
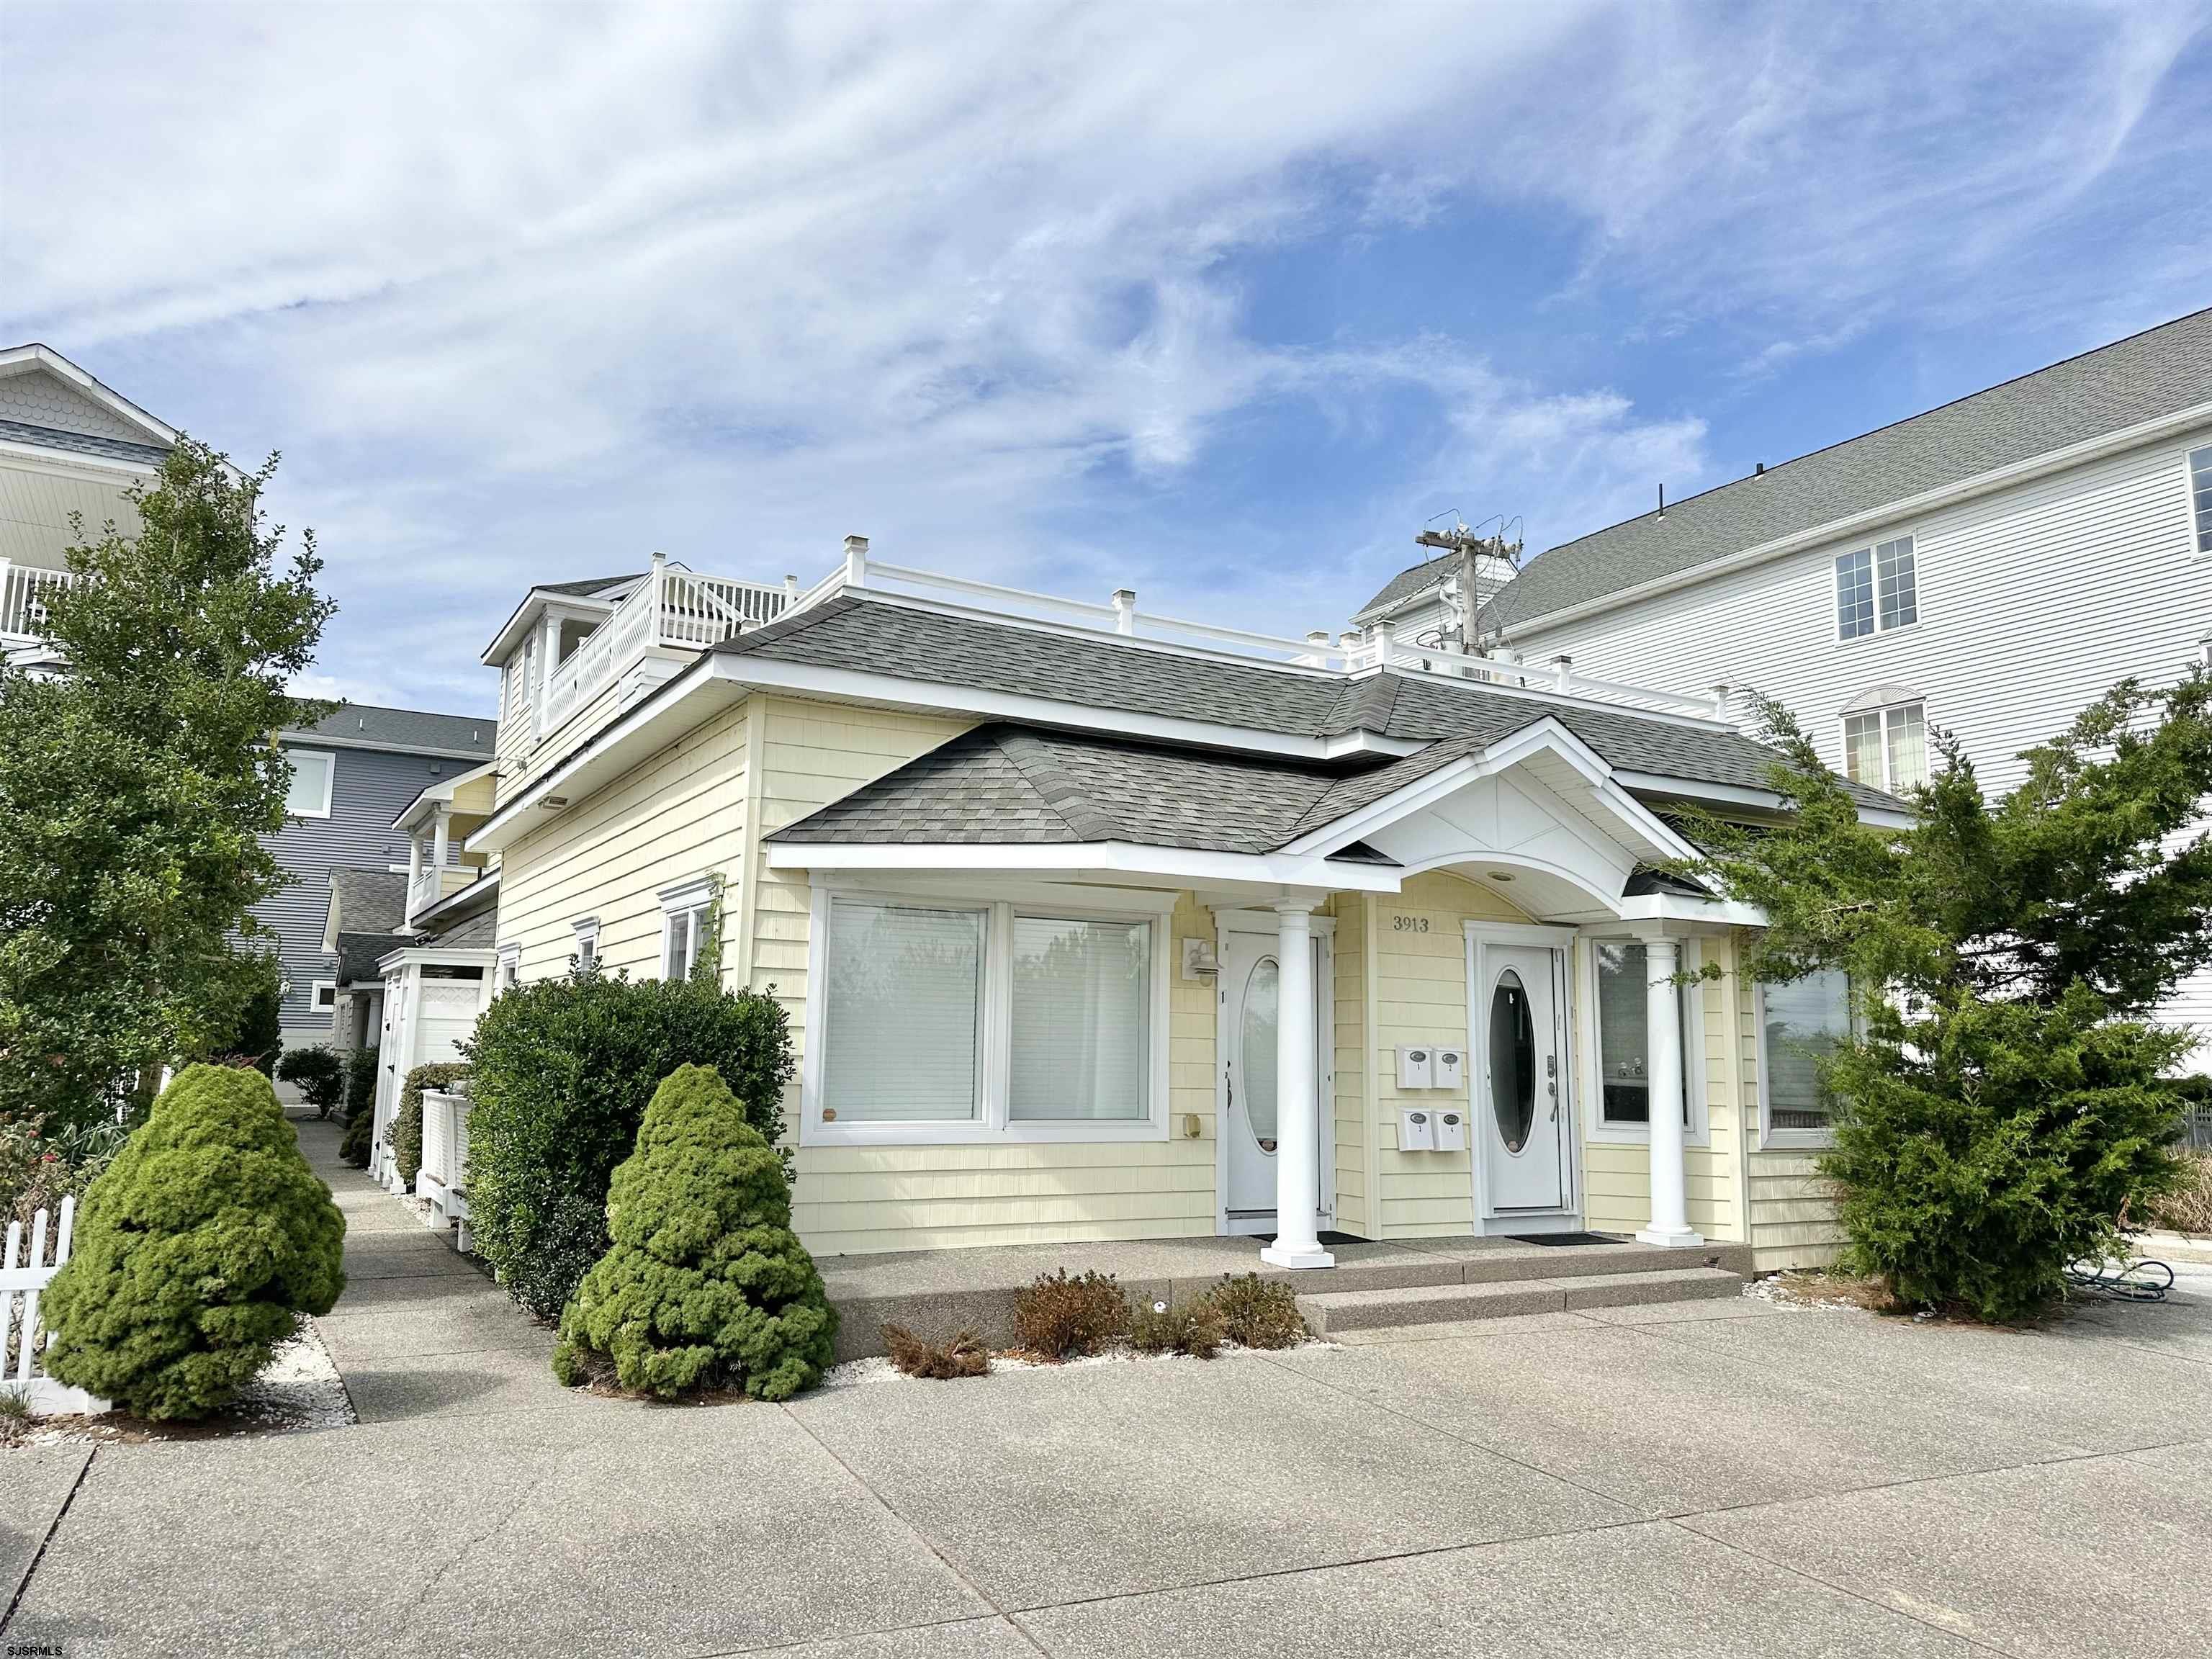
{"x":1326,"y":1238}
{"x":1564,"y":1238}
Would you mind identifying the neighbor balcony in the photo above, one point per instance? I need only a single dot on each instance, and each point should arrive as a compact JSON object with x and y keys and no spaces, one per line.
{"x":24,"y":590}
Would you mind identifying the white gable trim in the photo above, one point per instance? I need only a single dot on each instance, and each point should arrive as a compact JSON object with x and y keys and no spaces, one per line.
{"x":29,"y":359}
{"x":1109,"y":860}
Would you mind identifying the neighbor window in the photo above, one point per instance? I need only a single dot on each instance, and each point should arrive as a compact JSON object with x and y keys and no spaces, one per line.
{"x":1887,"y":748}
{"x":970,"y":1019}
{"x":683,"y":912}
{"x":1624,"y":1040}
{"x":2200,"y":495}
{"x":1876,"y":589}
{"x":587,"y":944}
{"x":904,"y":1016}
{"x":510,"y":968}
{"x":1802,"y":1023}
{"x":323,"y":996}
{"x":1082,"y":1019}
{"x":309,"y":796}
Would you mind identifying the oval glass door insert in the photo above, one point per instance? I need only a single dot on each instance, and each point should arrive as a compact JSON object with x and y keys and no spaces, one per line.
{"x":1256,"y":1051}
{"x":1512,"y":1062}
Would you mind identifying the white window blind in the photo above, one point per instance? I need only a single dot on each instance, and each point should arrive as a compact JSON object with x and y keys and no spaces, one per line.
{"x":1082,"y":1019}
{"x":309,"y":796}
{"x":1887,"y":748}
{"x":1805,"y":1021}
{"x":903,"y":1023}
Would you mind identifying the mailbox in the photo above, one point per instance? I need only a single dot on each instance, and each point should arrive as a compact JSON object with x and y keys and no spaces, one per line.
{"x":1416,"y":1065}
{"x":1451,"y":1130}
{"x":1450,"y":1068}
{"x":1417,"y":1130}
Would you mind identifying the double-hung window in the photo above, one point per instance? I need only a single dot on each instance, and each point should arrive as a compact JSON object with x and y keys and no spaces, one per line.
{"x":683,"y":912}
{"x":2200,"y":496}
{"x":1801,"y":1024}
{"x":1877,"y":588}
{"x":1887,"y":748}
{"x":1624,"y":1039}
{"x":936,"y":1020}
{"x":509,"y":974}
{"x":587,"y":944}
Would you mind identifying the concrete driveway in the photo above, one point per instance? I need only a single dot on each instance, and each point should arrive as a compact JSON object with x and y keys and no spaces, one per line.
{"x":1703,"y":1478}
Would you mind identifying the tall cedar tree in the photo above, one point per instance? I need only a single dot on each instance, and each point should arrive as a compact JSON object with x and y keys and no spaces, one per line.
{"x":2008,"y":1100}
{"x":136,"y":787}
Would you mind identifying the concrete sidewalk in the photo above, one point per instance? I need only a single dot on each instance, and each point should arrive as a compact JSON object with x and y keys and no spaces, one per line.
{"x":1700,"y":1478}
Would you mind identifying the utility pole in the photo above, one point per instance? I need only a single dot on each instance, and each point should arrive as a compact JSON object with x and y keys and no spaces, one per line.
{"x":1473,"y":548}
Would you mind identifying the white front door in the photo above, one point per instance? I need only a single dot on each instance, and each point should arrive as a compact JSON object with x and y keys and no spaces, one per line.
{"x":1519,"y":1100}
{"x":1251,"y":978}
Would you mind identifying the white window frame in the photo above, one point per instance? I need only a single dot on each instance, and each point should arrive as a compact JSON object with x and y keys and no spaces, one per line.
{"x":1873,"y":552}
{"x":1769,"y":1137}
{"x":323,"y":996}
{"x":587,"y":930}
{"x":2200,"y":515}
{"x":330,"y":760}
{"x":507,"y":974}
{"x":691,"y":900}
{"x":1886,"y":781}
{"x":992,"y":1123}
{"x":1698,"y":1130}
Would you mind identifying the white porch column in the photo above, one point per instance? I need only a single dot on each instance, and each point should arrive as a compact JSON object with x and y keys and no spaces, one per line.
{"x":438,"y":835}
{"x":1298,"y":1148}
{"x":1670,"y":1213}
{"x":414,"y":862}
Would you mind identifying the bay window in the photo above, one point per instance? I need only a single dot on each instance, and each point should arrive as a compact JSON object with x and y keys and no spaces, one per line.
{"x":1801,"y":1024}
{"x":934,"y":1020}
{"x":1623,"y":1045}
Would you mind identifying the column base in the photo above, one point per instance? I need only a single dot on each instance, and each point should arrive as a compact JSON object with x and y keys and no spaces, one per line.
{"x":1683,"y":1240}
{"x":1275,"y":1255}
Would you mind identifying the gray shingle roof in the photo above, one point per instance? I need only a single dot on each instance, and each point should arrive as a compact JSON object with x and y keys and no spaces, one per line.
{"x":81,"y":443}
{"x":359,"y":953}
{"x":369,"y":901}
{"x":1417,"y":580}
{"x":2159,"y":372}
{"x":409,"y":728}
{"x":588,"y":587}
{"x":1100,"y":672}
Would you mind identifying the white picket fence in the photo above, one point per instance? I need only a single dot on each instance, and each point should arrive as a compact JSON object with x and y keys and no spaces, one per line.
{"x":24,"y":1277}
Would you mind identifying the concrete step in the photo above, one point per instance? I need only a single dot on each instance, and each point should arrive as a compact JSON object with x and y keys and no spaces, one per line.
{"x":1588,"y":1261}
{"x":1353,"y":1310}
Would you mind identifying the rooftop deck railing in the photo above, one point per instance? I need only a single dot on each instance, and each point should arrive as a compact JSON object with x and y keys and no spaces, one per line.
{"x":24,"y":589}
{"x":672,"y":607}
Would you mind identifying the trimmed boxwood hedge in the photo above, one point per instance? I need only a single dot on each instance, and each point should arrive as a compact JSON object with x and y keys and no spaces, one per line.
{"x":562,"y":1071}
{"x":360,"y":1107}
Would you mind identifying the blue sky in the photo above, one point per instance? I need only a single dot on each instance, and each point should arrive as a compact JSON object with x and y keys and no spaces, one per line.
{"x":1219,"y":302}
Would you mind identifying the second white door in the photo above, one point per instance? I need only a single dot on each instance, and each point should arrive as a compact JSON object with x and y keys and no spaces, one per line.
{"x":1519,"y":1098}
{"x":1251,"y":982}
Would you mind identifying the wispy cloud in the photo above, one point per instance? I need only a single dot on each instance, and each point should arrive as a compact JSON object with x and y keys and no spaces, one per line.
{"x":529,"y":292}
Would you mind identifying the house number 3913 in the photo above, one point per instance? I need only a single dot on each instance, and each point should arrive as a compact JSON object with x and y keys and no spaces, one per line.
{"x":1409,"y":924}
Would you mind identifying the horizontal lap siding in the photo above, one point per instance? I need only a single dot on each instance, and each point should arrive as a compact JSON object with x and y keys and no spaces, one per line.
{"x":1350,"y":1096}
{"x":675,"y":816}
{"x":865,"y":1199}
{"x":1793,"y":1217}
{"x":1421,"y":997}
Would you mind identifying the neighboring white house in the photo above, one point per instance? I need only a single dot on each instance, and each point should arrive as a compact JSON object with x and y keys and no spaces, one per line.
{"x":1990,"y":567}
{"x":68,"y":446}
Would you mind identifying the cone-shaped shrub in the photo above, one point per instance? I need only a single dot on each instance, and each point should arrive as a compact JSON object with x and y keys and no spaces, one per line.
{"x":196,"y":1251}
{"x":706,"y":1284}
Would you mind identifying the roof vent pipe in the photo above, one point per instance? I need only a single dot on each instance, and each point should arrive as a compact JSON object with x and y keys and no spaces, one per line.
{"x":1125,"y":610}
{"x":1662,"y":500}
{"x":1758,"y":469}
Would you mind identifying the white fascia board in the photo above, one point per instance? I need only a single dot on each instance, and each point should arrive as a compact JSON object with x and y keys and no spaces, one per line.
{"x":674,"y":707}
{"x":862,"y":686}
{"x":1736,"y":794}
{"x":1862,"y":524}
{"x":70,"y":462}
{"x":1673,"y":907}
{"x":432,"y":955}
{"x":1178,"y":866}
{"x":22,"y":359}
{"x":434,"y":792}
{"x":318,"y":740}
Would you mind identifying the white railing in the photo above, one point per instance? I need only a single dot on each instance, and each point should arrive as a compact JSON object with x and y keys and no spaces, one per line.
{"x":444,"y":1177}
{"x":24,"y":1276}
{"x":1346,"y":653}
{"x":673,"y":608}
{"x":24,"y":589}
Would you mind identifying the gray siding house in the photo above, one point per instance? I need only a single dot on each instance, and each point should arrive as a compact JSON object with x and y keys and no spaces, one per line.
{"x":352,"y":775}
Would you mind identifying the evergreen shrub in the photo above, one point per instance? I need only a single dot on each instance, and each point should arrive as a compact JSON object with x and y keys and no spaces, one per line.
{"x":407,"y":1122}
{"x":317,"y":1073}
{"x":706,"y":1285}
{"x":196,"y":1251}
{"x":360,"y":1107}
{"x":562,"y":1070}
